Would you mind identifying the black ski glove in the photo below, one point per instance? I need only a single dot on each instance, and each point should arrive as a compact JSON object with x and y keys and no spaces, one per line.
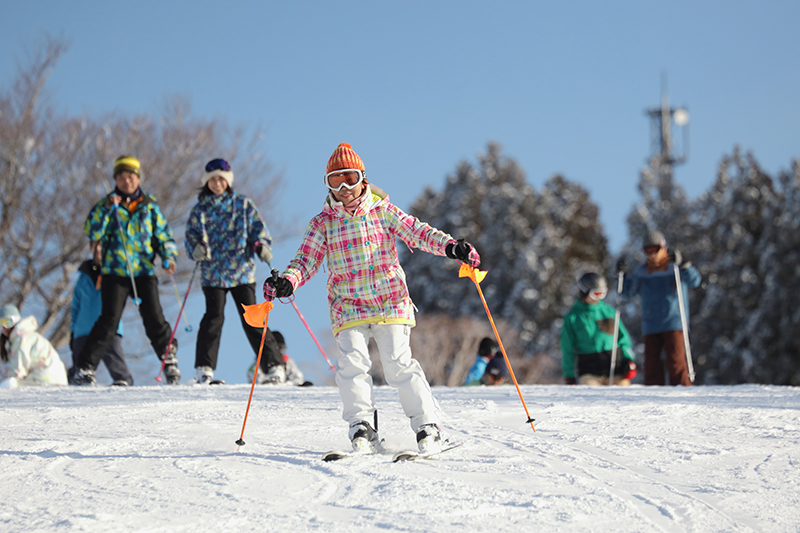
{"x":464,"y":252}
{"x":622,"y":266}
{"x":283,"y":287}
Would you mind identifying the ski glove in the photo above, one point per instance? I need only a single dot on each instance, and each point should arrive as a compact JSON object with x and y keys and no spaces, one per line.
{"x":464,"y":252}
{"x":622,"y":266}
{"x":631,"y":372}
{"x":677,"y":257}
{"x":570,"y":381}
{"x":201,"y":252}
{"x":277,"y":288}
{"x":264,"y":252}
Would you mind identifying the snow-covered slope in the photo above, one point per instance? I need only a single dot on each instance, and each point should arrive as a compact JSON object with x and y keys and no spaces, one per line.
{"x":602,"y":459}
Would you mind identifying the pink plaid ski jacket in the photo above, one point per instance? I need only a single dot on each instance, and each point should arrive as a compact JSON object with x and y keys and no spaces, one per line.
{"x":366,"y":284}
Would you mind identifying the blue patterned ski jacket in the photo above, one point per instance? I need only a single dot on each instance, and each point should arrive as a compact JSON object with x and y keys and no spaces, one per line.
{"x":146,"y":231}
{"x":231,"y":226}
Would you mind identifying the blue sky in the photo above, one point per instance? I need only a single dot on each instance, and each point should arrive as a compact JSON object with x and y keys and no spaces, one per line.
{"x":417,"y":87}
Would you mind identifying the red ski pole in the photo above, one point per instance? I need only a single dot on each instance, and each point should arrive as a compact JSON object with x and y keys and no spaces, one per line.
{"x":330,"y":365}
{"x":313,"y":336}
{"x":177,"y":322}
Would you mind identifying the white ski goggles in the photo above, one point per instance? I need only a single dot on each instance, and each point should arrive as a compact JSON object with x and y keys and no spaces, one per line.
{"x":346,"y":177}
{"x":598,"y":294}
{"x":8,"y":322}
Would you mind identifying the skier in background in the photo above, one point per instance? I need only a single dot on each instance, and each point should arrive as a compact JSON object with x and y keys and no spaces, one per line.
{"x":31,"y":357}
{"x":367,"y":294}
{"x":486,"y":350}
{"x":587,"y":338}
{"x":129,"y":252}
{"x":225,"y":234}
{"x":496,"y":372}
{"x":654,"y":282}
{"x":86,"y":309}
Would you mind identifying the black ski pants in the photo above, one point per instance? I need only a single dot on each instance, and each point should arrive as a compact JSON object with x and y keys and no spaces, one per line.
{"x":208,"y":337}
{"x":114,"y":293}
{"x":113,"y":357}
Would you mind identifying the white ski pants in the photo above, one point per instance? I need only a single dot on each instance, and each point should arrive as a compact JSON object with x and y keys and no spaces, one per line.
{"x":399,"y":369}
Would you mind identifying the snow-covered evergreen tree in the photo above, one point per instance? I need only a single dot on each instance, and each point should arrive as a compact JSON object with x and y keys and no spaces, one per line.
{"x":533,"y":246}
{"x":744,"y":237}
{"x":731,"y":220}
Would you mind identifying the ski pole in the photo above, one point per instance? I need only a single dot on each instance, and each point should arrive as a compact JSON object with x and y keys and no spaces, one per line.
{"x":330,"y":365}
{"x":250,"y":316}
{"x":616,"y":331}
{"x":178,"y":321}
{"x":136,"y":300}
{"x":188,"y":328}
{"x":684,"y":325}
{"x":477,"y":276}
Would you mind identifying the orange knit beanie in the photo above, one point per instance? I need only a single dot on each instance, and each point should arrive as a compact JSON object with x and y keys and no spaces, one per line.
{"x":344,"y":157}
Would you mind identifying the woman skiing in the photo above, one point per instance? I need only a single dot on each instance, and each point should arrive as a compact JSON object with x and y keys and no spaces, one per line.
{"x":225,"y":233}
{"x":32,"y":358}
{"x":367,"y":294}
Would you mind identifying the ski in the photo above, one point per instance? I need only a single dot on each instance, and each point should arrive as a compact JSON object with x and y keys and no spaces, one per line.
{"x":410,"y":455}
{"x":336,"y":455}
{"x":194,"y":382}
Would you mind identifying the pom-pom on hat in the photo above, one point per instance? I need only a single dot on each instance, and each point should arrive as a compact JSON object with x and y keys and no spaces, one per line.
{"x":218,"y":167}
{"x":129,"y":163}
{"x":344,"y":157}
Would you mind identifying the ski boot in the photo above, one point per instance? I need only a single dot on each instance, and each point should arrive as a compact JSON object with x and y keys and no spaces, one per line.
{"x":204,"y":376}
{"x":275,"y":375}
{"x":171,"y":370}
{"x":83,"y":377}
{"x":364,"y":438}
{"x":429,"y":438}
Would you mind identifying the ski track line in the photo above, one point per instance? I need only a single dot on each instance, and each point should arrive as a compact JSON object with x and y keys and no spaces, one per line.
{"x":663,"y":515}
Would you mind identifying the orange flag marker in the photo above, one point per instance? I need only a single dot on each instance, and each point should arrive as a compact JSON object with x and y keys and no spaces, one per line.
{"x":256,"y":316}
{"x":477,"y":276}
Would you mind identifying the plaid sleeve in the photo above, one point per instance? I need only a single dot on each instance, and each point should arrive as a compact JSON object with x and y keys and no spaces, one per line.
{"x":416,"y":233}
{"x":310,"y":255}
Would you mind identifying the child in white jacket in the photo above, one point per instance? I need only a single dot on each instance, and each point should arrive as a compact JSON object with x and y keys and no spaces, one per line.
{"x":32,"y":358}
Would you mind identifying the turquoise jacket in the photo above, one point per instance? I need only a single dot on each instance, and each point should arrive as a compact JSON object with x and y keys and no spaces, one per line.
{"x":86,"y":302}
{"x":477,"y":370}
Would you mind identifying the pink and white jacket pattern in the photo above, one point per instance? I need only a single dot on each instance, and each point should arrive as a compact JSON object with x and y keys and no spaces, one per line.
{"x":366,"y":284}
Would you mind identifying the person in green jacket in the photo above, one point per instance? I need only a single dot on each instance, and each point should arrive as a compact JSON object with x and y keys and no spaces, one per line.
{"x":587,"y":338}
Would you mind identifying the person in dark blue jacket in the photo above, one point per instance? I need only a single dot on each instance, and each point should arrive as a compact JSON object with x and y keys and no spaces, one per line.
{"x":86,"y":309}
{"x":654,"y":283}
